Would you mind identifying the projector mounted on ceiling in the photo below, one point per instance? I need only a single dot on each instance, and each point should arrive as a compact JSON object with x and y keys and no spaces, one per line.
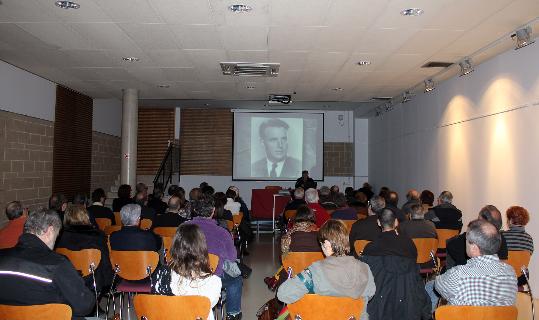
{"x":279,"y":98}
{"x":249,"y":69}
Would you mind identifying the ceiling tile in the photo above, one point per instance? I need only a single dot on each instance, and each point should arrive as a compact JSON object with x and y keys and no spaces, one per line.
{"x":327,"y":61}
{"x":298,"y":12}
{"x":292,"y":38}
{"x":170,"y":58}
{"x":186,"y":12}
{"x":289,"y":60}
{"x":241,"y":38}
{"x":355,"y":13}
{"x":248,"y":56}
{"x":259,"y":16}
{"x":197,"y":36}
{"x":56,"y":34}
{"x":90,"y":58}
{"x":107,"y":36}
{"x":27,"y":11}
{"x":151,"y":36}
{"x":137,"y":11}
{"x":88,"y":12}
{"x":180,"y":74}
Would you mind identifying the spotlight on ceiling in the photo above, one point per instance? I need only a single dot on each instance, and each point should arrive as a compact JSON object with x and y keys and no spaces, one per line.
{"x":429,"y":85}
{"x":523,"y":37}
{"x":465,"y":67}
{"x":67,"y":4}
{"x":240,"y":8}
{"x":406,"y":97}
{"x":412,"y":12}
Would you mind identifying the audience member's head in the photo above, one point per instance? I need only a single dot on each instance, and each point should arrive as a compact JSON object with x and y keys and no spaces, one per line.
{"x":172,"y":190}
{"x":219,"y":202}
{"x":333,"y":237}
{"x":361,"y":197}
{"x":203,"y":185}
{"x":367,"y":186}
{"x":311,"y":196}
{"x":173,"y":204}
{"x":140,"y":198}
{"x":377,"y":204}
{"x":412,"y":194}
{"x":383,"y":192}
{"x":445,"y":197}
{"x":231,"y":194}
{"x":304,"y":214}
{"x":305,"y":174}
{"x":80,"y":199}
{"x":482,"y":238}
{"x":334,"y":189}
{"x":45,"y":224}
{"x":517,"y":216}
{"x":324,"y":191}
{"x":189,"y":253}
{"x":491,"y":214}
{"x":299,"y":193}
{"x":340,"y":200}
{"x":14,"y":210}
{"x":416,"y":212}
{"x":392,"y":198}
{"x":99,"y":196}
{"x":208,"y":191}
{"x":141,"y":187}
{"x":427,"y":197}
{"x":203,"y":207}
{"x":387,"y":220}
{"x":158,"y":194}
{"x":124,"y":191}
{"x":58,"y":202}
{"x":76,"y":216}
{"x":130,"y":214}
{"x":195,"y":194}
{"x":349,"y":191}
{"x":236,"y":190}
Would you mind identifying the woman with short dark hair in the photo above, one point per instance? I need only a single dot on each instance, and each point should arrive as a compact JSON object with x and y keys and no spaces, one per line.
{"x":303,"y":234}
{"x":124,"y":197}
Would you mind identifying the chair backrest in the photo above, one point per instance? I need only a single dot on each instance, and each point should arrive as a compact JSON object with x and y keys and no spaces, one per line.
{"x":289,"y":214}
{"x":518,"y":259}
{"x":118,"y":218}
{"x":524,"y":306}
{"x":167,"y":243}
{"x":229,"y":225}
{"x":298,"y":261}
{"x":53,"y":311}
{"x":82,"y":259}
{"x":134,"y":264}
{"x":359,"y":246}
{"x":110,"y":229}
{"x":237,"y":217}
{"x":476,"y":313}
{"x":165,"y":231}
{"x":157,"y":307}
{"x":214,"y":261}
{"x":102,"y":223}
{"x":317,"y":307}
{"x":425,"y":246}
{"x":349,"y":224}
{"x":443,"y":235}
{"x":145,"y":224}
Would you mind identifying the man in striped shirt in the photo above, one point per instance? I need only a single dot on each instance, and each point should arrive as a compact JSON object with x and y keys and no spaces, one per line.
{"x":484,"y":280}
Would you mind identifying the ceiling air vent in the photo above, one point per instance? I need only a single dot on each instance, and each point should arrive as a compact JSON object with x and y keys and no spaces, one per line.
{"x":437,"y":64}
{"x":381,"y":98}
{"x":248,"y":69}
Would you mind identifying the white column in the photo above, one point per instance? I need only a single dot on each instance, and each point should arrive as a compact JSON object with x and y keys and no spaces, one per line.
{"x":129,"y":137}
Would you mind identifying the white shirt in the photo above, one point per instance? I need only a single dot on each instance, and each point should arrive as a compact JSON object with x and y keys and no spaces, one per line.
{"x":278,"y":169}
{"x":232,"y":206}
{"x":208,"y":287}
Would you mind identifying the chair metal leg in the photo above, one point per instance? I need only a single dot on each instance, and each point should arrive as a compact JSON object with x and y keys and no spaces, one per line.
{"x":121,"y":305}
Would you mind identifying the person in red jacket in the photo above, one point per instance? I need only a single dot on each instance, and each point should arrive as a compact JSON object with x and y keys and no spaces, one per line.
{"x":321,"y":215}
{"x":9,"y":234}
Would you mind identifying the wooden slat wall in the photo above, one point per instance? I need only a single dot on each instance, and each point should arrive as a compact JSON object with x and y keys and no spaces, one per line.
{"x":206,"y":142}
{"x":155,"y":128}
{"x":72,"y":151}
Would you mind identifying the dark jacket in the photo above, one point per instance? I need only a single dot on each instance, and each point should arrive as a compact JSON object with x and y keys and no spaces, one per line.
{"x":97,"y":211}
{"x":158,"y":205}
{"x":445,"y":216}
{"x":118,"y":203}
{"x":389,"y":243}
{"x":418,"y":228}
{"x":365,"y":229}
{"x":291,"y":168}
{"x":132,"y":238}
{"x":345,"y":214}
{"x":400,"y":292}
{"x":456,"y":250}
{"x":169,"y":219}
{"x":294,"y":204}
{"x":57,"y":281}
{"x":399,"y":214}
{"x":87,"y":237}
{"x":304,"y":242}
{"x":147,"y":213}
{"x":310,"y":183}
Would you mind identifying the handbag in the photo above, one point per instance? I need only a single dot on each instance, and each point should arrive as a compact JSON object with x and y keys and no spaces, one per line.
{"x":269,"y":310}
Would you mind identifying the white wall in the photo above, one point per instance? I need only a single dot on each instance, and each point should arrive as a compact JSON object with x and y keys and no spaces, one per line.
{"x":361,"y":152}
{"x":476,"y":136}
{"x":107,"y":117}
{"x":25,"y":93}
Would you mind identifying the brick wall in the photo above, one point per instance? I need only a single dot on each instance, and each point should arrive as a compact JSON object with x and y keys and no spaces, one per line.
{"x":106,"y":151}
{"x":338,"y":159}
{"x":25,"y":160}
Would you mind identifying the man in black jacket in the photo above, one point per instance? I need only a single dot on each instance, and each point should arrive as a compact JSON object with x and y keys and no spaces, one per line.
{"x":98,"y":209}
{"x":131,"y":237}
{"x":31,"y":273}
{"x":445,"y":215}
{"x":368,"y":228}
{"x":305,"y":182}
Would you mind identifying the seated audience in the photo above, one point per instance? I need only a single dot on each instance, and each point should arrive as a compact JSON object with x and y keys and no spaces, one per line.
{"x":124,"y":197}
{"x":79,"y":234}
{"x":185,"y":206}
{"x":417,"y":226}
{"x":58,"y":202}
{"x":484,"y":280}
{"x":302,"y":237}
{"x":156,"y":202}
{"x":334,"y":189}
{"x":321,"y":215}
{"x":81,"y":200}
{"x":412,"y":197}
{"x":141,"y":188}
{"x":368,"y":229}
{"x":172,"y":190}
{"x":146,"y":212}
{"x":194,"y":195}
{"x":208,"y":191}
{"x":384,"y":192}
{"x":349,"y":193}
{"x":445,"y":215}
{"x":243,"y":208}
{"x":10,"y":233}
{"x":305,"y":182}
{"x":337,"y":275}
{"x":221,"y":214}
{"x":392,"y":202}
{"x":294,"y":204}
{"x":326,"y":199}
{"x":98,"y":209}
{"x":130,"y":237}
{"x":32,"y":273}
{"x":189,"y":271}
{"x":517,"y":238}
{"x":426,"y":198}
{"x":367,"y":190}
{"x":362,"y":211}
{"x":400,"y":293}
{"x":171,"y":218}
{"x":343,"y":211}
{"x":456,"y":246}
{"x":220,"y":243}
{"x":231,"y":204}
{"x":245,"y":232}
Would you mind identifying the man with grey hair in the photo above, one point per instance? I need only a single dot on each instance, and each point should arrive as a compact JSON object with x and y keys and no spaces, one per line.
{"x":172,"y":217}
{"x":417,"y":226}
{"x":484,"y":280}
{"x":298,"y":200}
{"x":31,"y":273}
{"x":131,"y":237}
{"x":445,"y":215}
{"x":321,"y":215}
{"x":368,"y":228}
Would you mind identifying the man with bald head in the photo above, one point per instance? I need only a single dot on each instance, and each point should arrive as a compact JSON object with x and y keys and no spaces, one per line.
{"x":412,"y":198}
{"x":484,"y":280}
{"x":172,"y":217}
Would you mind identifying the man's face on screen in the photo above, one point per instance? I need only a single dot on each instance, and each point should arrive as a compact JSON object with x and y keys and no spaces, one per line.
{"x":276,"y":143}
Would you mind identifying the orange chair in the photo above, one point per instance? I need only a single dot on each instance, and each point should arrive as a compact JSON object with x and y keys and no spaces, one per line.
{"x":317,"y":307}
{"x":165,"y":231}
{"x":525,"y":306}
{"x":172,"y":307}
{"x":359,"y":246}
{"x":518,"y":259}
{"x":52,"y":311}
{"x":349,"y":224}
{"x":132,"y":266}
{"x":214,"y":261}
{"x":118,"y":218}
{"x":110,"y":229}
{"x":426,"y":249}
{"x":236,"y":220}
{"x":102,"y":223}
{"x":476,"y":313}
{"x":443,"y":236}
{"x":145,"y":224}
{"x":298,"y":261}
{"x":290,"y":214}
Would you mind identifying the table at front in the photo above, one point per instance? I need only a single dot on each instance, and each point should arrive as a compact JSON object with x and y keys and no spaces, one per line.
{"x":267,"y":203}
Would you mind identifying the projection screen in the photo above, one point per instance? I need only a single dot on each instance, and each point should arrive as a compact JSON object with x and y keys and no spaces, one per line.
{"x":278,"y":145}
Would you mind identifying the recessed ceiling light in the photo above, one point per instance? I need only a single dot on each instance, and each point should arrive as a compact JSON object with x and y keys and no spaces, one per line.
{"x":67,"y":4}
{"x":523,"y":37}
{"x":412,"y":12}
{"x":250,"y":86}
{"x":240,"y":8}
{"x":337,"y":89}
{"x":130,"y":59}
{"x":466,"y":67}
{"x":429,"y":85}
{"x":164,"y":86}
{"x":364,"y":63}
